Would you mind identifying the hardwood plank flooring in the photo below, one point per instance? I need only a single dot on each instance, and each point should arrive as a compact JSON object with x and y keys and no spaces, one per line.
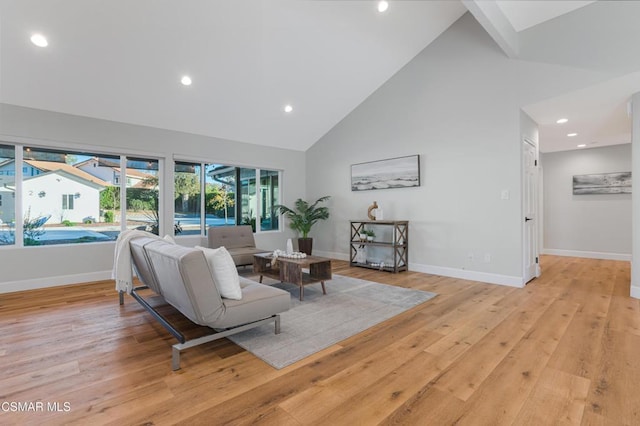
{"x":562,"y":351}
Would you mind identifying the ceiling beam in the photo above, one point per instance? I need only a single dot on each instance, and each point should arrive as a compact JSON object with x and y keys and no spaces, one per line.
{"x":489,"y":15}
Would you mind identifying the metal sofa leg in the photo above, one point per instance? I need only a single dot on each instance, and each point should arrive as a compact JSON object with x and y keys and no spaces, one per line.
{"x":175,"y":358}
{"x":277,"y":323}
{"x":121,"y":296}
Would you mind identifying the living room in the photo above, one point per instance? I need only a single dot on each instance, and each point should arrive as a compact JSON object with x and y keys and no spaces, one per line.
{"x":463,"y":113}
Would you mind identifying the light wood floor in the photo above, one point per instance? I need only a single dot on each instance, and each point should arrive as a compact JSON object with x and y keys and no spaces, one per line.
{"x":564,"y":350}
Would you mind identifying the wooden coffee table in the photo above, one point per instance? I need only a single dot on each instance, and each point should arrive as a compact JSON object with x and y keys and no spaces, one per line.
{"x":291,"y":270}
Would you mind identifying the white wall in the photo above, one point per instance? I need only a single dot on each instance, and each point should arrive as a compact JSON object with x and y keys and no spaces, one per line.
{"x":32,"y":267}
{"x":635,"y":142}
{"x":457,"y":104}
{"x":597,"y":226}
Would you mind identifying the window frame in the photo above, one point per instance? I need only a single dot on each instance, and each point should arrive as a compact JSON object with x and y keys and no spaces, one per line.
{"x":19,"y":144}
{"x":256,"y":207}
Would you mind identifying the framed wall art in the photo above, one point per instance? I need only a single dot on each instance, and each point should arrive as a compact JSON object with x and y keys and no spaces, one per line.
{"x":603,"y":183}
{"x":400,"y":172}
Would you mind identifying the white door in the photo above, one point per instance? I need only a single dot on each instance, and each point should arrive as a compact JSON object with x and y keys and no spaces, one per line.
{"x":530,"y":209}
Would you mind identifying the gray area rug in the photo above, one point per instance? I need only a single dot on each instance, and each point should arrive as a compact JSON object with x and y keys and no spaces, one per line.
{"x":350,"y":306}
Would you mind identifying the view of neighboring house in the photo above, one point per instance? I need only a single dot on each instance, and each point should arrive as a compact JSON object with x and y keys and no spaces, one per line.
{"x":56,"y":189}
{"x":110,"y":172}
{"x":63,"y":195}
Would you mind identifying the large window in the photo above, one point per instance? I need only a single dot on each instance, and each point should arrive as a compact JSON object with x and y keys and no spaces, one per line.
{"x":70,"y":197}
{"x":142,"y":194}
{"x":248,"y":209}
{"x":220,"y":194}
{"x":7,"y":195}
{"x":66,"y":199}
{"x":269,"y":197}
{"x":230,"y":197}
{"x":73,"y":197}
{"x":187,"y":198}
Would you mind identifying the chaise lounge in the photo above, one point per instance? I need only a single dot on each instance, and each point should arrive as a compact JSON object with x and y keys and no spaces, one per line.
{"x":238,"y":240}
{"x":182,"y":277}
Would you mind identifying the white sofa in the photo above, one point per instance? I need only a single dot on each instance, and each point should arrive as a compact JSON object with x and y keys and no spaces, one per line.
{"x":181,"y":275}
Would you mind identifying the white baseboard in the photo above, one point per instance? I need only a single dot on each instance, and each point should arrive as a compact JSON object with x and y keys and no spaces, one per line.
{"x":512,"y":281}
{"x":331,"y":255}
{"x":635,"y":292}
{"x":446,"y":272}
{"x":32,"y":284}
{"x":588,"y":254}
{"x":464,"y":274}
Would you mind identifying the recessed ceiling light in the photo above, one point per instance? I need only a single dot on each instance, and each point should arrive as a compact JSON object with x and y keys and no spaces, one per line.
{"x":383,"y":6}
{"x":39,"y":40}
{"x":562,"y":120}
{"x":288,"y":108}
{"x":186,"y":80}
{"x":572,"y":134}
{"x":582,"y":145}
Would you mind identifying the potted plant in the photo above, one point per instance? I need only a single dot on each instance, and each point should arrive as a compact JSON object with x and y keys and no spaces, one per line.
{"x":370,"y":235}
{"x":302,"y":217}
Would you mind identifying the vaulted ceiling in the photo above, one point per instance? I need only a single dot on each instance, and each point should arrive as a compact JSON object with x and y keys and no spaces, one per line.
{"x":123,"y":60}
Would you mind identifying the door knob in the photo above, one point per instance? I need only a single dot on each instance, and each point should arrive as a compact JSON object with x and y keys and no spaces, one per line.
{"x":527,"y":219}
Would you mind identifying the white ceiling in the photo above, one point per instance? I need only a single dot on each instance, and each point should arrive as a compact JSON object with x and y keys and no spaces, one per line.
{"x":524,"y":14}
{"x":122,"y":60}
{"x":598,"y":114}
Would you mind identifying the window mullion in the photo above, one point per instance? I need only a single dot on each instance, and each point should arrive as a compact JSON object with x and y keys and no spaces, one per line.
{"x":123,"y":193}
{"x":258,"y":203}
{"x":203,"y":200}
{"x":18,"y":204}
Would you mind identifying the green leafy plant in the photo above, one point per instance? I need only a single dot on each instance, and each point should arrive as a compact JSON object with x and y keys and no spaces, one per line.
{"x":250,"y":220}
{"x":221,"y":199}
{"x":304,"y":215}
{"x":67,"y":222}
{"x":33,"y":229}
{"x":110,"y":198}
{"x":108,"y":216}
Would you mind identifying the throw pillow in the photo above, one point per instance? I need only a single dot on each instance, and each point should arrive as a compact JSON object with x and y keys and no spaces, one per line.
{"x":223,"y":272}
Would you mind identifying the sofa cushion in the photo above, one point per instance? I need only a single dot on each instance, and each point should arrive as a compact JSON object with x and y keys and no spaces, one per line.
{"x":185,"y":281}
{"x":238,"y":240}
{"x":244,"y":255}
{"x":223,"y":272}
{"x":230,"y":236}
{"x":141,"y":264}
{"x":258,"y":301}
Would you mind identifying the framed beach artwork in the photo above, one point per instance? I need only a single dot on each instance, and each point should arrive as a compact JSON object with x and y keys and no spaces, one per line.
{"x":603,"y":183}
{"x":401,"y":172}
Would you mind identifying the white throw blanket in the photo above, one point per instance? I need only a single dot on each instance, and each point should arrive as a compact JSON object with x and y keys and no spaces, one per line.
{"x":122,"y":270}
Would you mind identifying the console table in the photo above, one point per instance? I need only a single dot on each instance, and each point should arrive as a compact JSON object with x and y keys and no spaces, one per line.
{"x":395,"y":239}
